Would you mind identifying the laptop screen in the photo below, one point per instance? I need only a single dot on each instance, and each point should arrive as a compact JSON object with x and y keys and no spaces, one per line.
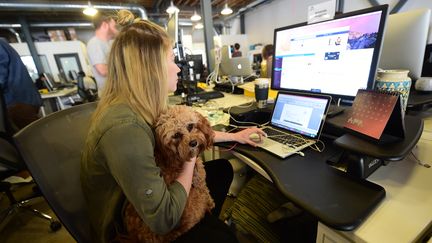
{"x":300,"y":113}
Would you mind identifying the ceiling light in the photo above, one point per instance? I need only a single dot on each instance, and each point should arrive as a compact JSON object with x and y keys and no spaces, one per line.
{"x":199,"y":25}
{"x":172,"y":8}
{"x":226,"y":10}
{"x":195,"y":16}
{"x":90,"y":10}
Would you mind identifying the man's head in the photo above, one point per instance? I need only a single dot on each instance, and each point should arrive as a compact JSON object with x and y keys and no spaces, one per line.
{"x":105,"y":25}
{"x":237,"y":46}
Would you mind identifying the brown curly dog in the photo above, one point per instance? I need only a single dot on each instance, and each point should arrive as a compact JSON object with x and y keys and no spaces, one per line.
{"x":181,"y":134}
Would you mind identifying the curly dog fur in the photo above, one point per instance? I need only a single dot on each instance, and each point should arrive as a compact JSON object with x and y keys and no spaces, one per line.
{"x":181,"y":134}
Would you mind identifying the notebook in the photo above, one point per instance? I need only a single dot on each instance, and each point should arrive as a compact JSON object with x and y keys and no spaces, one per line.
{"x":296,"y":122}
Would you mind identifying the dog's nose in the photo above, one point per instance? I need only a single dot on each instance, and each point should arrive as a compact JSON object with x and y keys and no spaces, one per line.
{"x":193,"y":143}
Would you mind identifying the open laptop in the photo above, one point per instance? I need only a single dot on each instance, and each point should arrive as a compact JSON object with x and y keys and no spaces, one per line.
{"x":296,"y":122}
{"x":238,"y":66}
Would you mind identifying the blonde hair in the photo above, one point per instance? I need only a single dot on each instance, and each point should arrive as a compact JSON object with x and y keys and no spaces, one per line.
{"x":137,"y":69}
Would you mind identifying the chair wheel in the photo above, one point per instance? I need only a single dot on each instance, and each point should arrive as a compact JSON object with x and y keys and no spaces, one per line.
{"x":55,"y":225}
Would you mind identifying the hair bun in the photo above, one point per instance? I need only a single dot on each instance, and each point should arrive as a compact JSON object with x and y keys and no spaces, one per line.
{"x":125,"y":17}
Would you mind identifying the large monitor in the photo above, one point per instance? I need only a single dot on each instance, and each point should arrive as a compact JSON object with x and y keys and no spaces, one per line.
{"x":405,"y":41}
{"x":335,"y":57}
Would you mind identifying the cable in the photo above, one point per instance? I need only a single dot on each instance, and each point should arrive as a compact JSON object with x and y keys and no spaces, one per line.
{"x":426,"y":165}
{"x":228,"y":149}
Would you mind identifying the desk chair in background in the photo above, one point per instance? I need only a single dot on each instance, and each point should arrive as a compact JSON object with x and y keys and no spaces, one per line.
{"x":11,"y":164}
{"x":87,"y":94}
{"x":51,"y":148}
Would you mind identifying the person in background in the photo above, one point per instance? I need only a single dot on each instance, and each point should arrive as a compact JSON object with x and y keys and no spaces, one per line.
{"x":267,"y":61}
{"x":99,"y":46}
{"x":22,"y":98}
{"x":236,"y":52}
{"x":118,"y":161}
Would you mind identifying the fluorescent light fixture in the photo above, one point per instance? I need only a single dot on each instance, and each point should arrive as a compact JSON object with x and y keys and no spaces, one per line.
{"x":90,"y":10}
{"x":198,"y":26}
{"x":195,"y":17}
{"x":226,"y":10}
{"x":172,"y":8}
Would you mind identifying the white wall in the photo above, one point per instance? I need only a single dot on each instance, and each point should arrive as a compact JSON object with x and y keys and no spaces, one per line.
{"x":261,"y":21}
{"x":58,"y":47}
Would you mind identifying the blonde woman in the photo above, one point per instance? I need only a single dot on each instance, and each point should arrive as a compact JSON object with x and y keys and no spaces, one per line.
{"x":118,"y":160}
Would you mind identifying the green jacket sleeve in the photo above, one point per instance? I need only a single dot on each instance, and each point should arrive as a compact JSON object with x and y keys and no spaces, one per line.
{"x":128,"y":149}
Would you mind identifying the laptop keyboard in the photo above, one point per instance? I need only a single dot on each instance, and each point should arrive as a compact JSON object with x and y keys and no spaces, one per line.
{"x":284,"y":138}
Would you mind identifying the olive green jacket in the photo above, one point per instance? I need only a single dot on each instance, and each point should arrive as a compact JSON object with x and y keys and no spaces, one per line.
{"x":118,"y":161}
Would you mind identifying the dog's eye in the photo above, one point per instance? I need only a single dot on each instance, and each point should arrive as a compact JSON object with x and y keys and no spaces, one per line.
{"x":190,"y":127}
{"x":177,"y":135}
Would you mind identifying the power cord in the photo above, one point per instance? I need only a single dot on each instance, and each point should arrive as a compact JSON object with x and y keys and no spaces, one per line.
{"x":426,"y":165}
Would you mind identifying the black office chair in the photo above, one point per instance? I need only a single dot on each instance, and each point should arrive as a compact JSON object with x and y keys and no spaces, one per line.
{"x":11,"y":163}
{"x":86,"y":94}
{"x":51,"y":148}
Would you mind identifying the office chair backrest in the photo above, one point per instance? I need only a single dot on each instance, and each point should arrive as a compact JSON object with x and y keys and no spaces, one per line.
{"x":51,"y":148}
{"x":87,"y":94}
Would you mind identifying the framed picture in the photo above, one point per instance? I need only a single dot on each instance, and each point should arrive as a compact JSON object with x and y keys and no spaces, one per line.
{"x":68,"y":64}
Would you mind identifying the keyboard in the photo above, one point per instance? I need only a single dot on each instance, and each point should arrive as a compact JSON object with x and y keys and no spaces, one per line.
{"x":208,"y":95}
{"x":284,"y":138}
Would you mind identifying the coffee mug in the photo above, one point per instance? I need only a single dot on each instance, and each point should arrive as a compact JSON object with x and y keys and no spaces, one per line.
{"x":261,"y":91}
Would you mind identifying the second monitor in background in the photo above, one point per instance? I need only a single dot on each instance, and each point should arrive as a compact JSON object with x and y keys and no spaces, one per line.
{"x":405,"y":41}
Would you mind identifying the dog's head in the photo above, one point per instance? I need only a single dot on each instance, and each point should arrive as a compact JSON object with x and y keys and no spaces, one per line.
{"x":182,"y":133}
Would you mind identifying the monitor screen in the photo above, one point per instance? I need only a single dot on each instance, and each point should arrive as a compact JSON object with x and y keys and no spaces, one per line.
{"x":335,"y":57}
{"x":408,"y":31}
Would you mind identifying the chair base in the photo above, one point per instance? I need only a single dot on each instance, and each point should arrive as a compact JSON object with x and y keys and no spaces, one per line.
{"x":18,"y":207}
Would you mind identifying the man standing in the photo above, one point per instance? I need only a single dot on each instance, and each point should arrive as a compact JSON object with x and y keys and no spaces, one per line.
{"x":22,"y":99}
{"x":99,"y":45}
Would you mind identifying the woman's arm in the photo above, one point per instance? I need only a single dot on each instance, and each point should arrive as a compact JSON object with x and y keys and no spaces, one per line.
{"x":242,"y":136}
{"x":185,"y":177}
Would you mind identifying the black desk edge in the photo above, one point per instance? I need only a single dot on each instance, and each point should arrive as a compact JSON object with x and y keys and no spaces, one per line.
{"x":345,"y":224}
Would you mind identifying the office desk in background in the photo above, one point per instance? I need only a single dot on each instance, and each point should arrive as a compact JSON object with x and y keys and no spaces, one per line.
{"x":57,"y":98}
{"x":405,"y":213}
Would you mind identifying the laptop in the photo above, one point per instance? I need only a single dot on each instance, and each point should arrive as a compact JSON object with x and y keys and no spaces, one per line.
{"x":239,"y":66}
{"x":296,"y":123}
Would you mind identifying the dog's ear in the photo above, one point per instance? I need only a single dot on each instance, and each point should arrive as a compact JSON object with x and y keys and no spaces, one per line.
{"x":204,"y":126}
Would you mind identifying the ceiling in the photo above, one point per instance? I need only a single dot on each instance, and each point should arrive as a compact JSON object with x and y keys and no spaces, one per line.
{"x":155,"y":9}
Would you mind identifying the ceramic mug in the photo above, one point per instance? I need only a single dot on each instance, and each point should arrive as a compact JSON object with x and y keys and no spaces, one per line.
{"x":395,"y":80}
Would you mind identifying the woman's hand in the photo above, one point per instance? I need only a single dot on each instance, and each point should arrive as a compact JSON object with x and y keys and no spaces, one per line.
{"x":251,"y":136}
{"x":185,"y":177}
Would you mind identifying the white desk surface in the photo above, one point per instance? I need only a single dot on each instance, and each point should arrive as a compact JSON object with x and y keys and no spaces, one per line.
{"x":406,"y":211}
{"x":59,"y":93}
{"x":227,"y":101}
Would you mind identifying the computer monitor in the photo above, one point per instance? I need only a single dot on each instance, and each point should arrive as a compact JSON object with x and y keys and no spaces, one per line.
{"x":335,"y":57}
{"x":405,"y":41}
